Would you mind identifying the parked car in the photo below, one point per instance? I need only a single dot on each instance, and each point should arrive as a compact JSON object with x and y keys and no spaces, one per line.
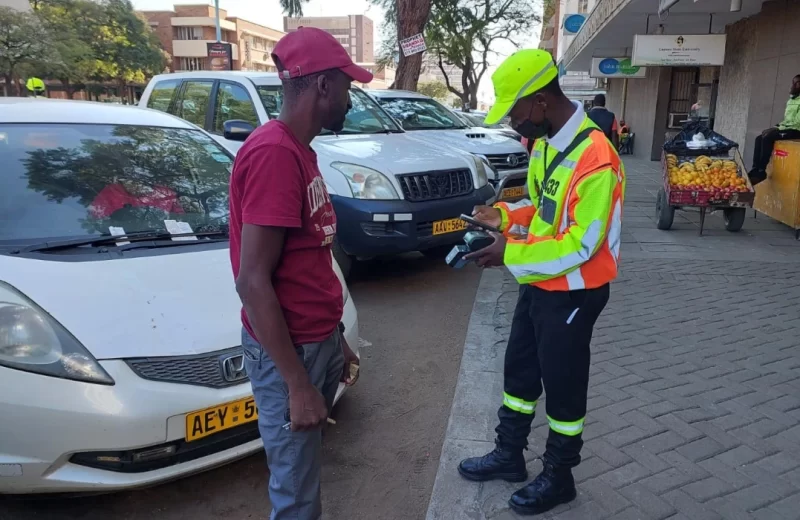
{"x":120,"y":356}
{"x":477,"y":119}
{"x":392,"y":193}
{"x":430,"y":120}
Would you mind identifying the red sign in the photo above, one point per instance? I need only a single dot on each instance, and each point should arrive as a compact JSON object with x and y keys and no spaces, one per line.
{"x":781,"y":153}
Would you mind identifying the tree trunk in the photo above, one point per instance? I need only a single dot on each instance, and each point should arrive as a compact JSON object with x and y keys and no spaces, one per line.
{"x":7,"y":88}
{"x":412,"y":15}
{"x":473,"y":96}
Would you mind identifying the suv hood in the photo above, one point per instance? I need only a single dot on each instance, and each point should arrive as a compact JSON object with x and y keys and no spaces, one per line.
{"x":389,"y":153}
{"x":473,"y":140}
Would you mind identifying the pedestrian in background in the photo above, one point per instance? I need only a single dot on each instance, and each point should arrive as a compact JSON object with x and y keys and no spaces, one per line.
{"x":281,"y":231}
{"x":562,"y":246}
{"x":605,"y":119}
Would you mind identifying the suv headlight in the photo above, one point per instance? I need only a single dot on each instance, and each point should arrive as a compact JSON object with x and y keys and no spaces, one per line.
{"x":481,"y":163}
{"x":366,"y":183}
{"x":31,"y":340}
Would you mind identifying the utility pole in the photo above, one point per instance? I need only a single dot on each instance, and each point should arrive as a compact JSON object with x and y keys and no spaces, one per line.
{"x":216,"y":12}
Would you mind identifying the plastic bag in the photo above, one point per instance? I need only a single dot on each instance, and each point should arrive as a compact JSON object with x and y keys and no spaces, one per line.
{"x":714,"y":143}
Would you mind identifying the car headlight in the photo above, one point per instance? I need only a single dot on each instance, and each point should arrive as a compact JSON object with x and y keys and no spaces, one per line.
{"x":366,"y":183}
{"x":481,"y":163}
{"x":31,"y":340}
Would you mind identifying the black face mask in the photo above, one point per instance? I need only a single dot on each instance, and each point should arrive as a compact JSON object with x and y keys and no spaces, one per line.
{"x":530,"y":130}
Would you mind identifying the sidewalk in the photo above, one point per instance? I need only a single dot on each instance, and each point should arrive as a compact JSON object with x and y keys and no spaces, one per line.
{"x":694,"y":400}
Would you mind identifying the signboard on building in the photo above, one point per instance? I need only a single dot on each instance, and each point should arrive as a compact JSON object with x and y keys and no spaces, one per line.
{"x":615,"y":68}
{"x":688,"y":50}
{"x":220,"y":56}
{"x":573,"y":23}
{"x":413,"y":45}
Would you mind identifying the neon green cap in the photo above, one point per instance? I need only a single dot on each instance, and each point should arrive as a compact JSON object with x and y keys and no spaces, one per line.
{"x":521,"y":74}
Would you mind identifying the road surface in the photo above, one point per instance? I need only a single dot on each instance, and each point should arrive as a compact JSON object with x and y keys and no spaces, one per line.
{"x":380,"y":459}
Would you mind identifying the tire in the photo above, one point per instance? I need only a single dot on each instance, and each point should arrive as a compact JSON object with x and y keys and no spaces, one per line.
{"x":665,"y":213}
{"x":344,"y":260}
{"x":734,"y":218}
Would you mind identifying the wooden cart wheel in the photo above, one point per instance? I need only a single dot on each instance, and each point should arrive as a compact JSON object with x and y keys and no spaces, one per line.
{"x":734,"y":218}
{"x":665,"y":213}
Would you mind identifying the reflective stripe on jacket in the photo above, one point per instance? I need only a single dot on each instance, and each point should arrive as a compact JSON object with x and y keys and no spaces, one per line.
{"x":568,"y":236}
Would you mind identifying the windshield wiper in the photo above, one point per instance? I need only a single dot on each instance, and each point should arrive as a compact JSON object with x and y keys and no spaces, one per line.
{"x":109,"y":239}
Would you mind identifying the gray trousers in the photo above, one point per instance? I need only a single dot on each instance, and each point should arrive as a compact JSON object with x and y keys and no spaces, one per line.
{"x":293,"y":457}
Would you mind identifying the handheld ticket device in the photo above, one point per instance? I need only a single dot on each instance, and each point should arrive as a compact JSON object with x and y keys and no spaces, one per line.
{"x":474,"y":240}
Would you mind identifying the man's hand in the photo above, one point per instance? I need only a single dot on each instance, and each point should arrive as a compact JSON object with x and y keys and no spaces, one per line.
{"x":490,"y":256}
{"x":350,"y":358}
{"x":307,"y":408}
{"x":488,"y":215}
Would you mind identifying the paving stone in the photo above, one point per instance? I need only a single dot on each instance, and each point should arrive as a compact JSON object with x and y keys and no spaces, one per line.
{"x":648,"y":502}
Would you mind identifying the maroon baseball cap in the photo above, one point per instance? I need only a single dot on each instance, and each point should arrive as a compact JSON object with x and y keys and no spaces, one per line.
{"x":309,"y":50}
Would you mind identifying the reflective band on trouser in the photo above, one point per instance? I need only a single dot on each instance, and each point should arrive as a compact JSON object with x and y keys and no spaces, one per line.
{"x":570,"y":429}
{"x":519,"y":405}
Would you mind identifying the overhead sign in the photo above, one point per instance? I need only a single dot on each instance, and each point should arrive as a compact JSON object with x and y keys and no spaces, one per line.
{"x":413,"y":45}
{"x":220,"y":54}
{"x":616,"y":68}
{"x":573,"y":23}
{"x":691,"y":50}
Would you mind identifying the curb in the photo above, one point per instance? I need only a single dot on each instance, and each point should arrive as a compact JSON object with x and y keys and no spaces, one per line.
{"x":470,"y":428}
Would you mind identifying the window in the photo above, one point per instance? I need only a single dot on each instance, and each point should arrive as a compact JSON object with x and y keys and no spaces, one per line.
{"x":191,"y":64}
{"x":73,"y":180}
{"x":194,"y":105}
{"x":365,"y":117}
{"x":188,"y":33}
{"x":420,"y":113}
{"x":161,"y":96}
{"x":233,"y":102}
{"x":583,"y":6}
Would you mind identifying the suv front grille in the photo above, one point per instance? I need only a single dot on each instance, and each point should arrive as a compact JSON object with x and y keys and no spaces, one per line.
{"x":508,"y":161}
{"x":419,"y":187}
{"x":199,"y":369}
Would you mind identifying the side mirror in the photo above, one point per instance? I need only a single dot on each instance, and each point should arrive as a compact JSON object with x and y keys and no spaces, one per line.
{"x":237,"y":129}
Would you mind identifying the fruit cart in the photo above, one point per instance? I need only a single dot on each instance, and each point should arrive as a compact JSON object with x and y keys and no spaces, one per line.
{"x":710,"y":179}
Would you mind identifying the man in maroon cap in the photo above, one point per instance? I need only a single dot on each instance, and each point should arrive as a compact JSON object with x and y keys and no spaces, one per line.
{"x":282,"y":226}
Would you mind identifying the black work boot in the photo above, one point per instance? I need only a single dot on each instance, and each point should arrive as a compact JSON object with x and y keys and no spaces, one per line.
{"x":552,"y":487}
{"x":502,"y":463}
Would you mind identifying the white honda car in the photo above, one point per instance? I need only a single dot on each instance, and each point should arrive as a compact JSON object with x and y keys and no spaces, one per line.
{"x":120,"y":356}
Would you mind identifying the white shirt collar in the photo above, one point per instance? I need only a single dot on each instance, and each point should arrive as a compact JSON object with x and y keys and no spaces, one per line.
{"x":564,"y":137}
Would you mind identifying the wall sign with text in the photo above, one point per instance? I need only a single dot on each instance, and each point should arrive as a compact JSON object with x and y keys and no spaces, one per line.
{"x":573,"y":23}
{"x":616,"y":68}
{"x":690,"y":50}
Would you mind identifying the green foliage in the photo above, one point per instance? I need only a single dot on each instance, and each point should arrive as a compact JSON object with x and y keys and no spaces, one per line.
{"x":434,"y":89}
{"x":22,"y":42}
{"x":465,"y":34}
{"x":293,"y":8}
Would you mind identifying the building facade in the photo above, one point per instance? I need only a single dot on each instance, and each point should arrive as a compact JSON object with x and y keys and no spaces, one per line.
{"x":186,"y":31}
{"x":355,"y":32}
{"x":741,"y":93}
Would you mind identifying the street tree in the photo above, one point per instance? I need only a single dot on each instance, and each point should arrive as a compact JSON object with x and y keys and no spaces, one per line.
{"x":465,"y":34}
{"x":74,"y":26}
{"x":404,"y":18}
{"x":22,"y":42}
{"x":293,"y":8}
{"x":128,"y":49}
{"x":434,"y":89}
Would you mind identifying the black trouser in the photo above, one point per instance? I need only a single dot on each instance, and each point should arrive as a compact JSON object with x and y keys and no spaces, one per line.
{"x":762,"y":152}
{"x":549,"y":343}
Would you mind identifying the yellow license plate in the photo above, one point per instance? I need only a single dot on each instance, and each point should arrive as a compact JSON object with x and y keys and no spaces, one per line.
{"x":517,"y":191}
{"x":451,"y":225}
{"x":203,"y":423}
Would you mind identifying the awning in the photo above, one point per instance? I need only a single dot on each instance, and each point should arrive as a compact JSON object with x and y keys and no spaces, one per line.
{"x":610,"y":27}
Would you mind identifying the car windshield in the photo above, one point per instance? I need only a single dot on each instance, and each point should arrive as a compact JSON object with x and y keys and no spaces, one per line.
{"x":365,"y":117}
{"x":478,"y":120}
{"x":421,"y":114}
{"x":74,"y":180}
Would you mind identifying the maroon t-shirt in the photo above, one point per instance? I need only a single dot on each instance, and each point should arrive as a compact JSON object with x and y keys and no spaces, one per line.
{"x":276,"y":182}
